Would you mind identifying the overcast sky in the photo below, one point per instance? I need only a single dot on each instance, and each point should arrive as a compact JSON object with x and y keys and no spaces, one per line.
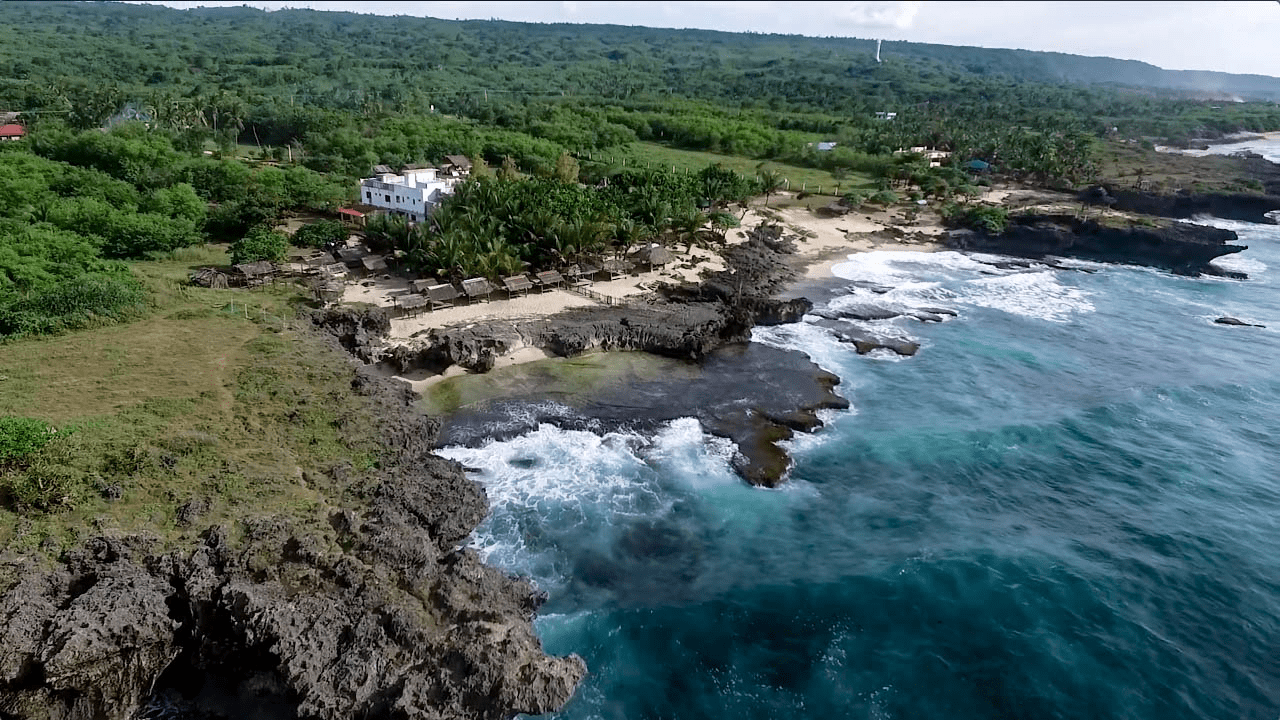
{"x":1239,"y":37}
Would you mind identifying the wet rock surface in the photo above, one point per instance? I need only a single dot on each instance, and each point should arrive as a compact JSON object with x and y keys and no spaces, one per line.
{"x":752,"y":394}
{"x":1227,"y":320}
{"x":1179,"y":247}
{"x":378,"y":615}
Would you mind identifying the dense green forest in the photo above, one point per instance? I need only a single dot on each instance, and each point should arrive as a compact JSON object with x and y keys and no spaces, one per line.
{"x":315,"y":99}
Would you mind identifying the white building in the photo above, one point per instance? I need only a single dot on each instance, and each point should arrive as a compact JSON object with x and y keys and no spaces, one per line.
{"x":415,"y":192}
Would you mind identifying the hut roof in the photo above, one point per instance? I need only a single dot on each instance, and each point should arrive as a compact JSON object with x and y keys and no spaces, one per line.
{"x":209,"y":277}
{"x":12,"y":130}
{"x":549,"y":277}
{"x":442,"y":293}
{"x":374,"y":262}
{"x":382,"y":170}
{"x":516,"y":283}
{"x":255,"y":269}
{"x":459,"y":161}
{"x":476,"y":287}
{"x":654,"y":255}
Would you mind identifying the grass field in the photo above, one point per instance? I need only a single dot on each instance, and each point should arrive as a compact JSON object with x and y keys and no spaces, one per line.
{"x":196,"y":402}
{"x":1131,"y":164}
{"x":652,"y":155}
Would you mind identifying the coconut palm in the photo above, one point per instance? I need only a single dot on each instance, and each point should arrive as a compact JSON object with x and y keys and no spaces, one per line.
{"x":688,"y":222}
{"x":770,"y":182}
{"x":627,"y":233}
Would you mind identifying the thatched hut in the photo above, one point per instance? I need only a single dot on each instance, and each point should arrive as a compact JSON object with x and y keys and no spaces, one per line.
{"x":254,"y":273}
{"x":210,"y":278}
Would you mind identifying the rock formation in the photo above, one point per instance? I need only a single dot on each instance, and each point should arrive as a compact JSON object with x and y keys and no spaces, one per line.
{"x":1179,"y":247}
{"x":378,"y":614}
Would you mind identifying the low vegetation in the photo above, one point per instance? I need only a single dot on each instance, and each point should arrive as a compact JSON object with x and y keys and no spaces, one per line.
{"x":113,"y":429}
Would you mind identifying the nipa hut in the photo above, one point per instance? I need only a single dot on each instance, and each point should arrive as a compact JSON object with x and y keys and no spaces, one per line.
{"x":209,"y":277}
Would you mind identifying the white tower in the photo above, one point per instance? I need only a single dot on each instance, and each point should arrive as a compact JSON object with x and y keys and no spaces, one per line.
{"x":878,"y":50}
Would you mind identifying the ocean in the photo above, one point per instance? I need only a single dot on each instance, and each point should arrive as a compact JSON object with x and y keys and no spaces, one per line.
{"x":1066,"y":505}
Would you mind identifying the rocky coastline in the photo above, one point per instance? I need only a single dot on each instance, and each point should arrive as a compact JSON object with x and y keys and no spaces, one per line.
{"x":1181,"y":248}
{"x":385,"y":613}
{"x":382,"y":613}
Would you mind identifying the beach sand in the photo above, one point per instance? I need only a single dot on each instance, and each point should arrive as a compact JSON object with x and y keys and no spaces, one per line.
{"x":823,"y":243}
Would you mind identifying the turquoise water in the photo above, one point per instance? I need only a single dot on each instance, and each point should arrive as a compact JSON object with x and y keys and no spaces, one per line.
{"x":1067,"y":505}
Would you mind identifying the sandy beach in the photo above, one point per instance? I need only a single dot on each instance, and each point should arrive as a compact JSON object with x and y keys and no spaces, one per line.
{"x":821,"y":243}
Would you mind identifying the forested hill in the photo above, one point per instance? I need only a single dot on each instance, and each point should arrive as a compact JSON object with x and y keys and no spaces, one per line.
{"x":346,"y":60}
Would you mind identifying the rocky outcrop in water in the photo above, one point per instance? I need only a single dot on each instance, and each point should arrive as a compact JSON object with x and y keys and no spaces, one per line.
{"x":379,"y":614}
{"x":750,"y":393}
{"x":1226,"y":320}
{"x":1179,"y":247}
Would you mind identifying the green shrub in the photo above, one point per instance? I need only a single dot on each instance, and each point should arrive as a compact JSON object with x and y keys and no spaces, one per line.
{"x":987,"y":218}
{"x":85,"y":301}
{"x":319,"y":234}
{"x":21,"y":437}
{"x":854,"y":199}
{"x":260,"y":243}
{"x":884,"y":197}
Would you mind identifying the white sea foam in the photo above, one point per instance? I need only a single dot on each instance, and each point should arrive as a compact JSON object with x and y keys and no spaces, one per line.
{"x":550,"y":477}
{"x":545,"y":466}
{"x":1032,"y":294}
{"x":922,"y":279}
{"x":682,"y":450}
{"x":817,"y":343}
{"x":1240,"y":263}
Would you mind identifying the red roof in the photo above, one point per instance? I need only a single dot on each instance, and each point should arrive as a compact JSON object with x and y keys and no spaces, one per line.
{"x":12,"y":130}
{"x":349,"y":211}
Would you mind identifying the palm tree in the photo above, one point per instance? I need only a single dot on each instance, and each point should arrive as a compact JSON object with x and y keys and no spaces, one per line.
{"x":627,"y":233}
{"x":770,"y":183}
{"x":687,"y":223}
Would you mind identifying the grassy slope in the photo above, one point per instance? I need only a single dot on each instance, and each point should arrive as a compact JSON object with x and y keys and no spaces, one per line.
{"x":192,"y":403}
{"x":642,"y":154}
{"x":1119,"y":162}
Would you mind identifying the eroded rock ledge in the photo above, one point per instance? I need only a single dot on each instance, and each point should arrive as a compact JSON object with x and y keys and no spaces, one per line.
{"x":378,"y":615}
{"x":1179,"y":247}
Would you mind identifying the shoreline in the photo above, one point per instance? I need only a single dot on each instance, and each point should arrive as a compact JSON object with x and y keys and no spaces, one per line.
{"x":821,"y":243}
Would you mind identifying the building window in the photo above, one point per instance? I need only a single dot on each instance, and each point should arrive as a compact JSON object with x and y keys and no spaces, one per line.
{"x":368,"y":195}
{"x":388,"y":198}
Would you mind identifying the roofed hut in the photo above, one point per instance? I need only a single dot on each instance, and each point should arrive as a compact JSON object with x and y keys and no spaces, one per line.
{"x":654,"y":254}
{"x":209,"y":277}
{"x":476,"y":288}
{"x":254,"y":273}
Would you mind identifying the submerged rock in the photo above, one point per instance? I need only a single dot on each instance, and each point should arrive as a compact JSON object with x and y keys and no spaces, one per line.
{"x":1226,"y":320}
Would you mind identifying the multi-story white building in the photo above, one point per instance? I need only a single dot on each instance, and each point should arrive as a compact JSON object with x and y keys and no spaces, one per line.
{"x":414,"y":192}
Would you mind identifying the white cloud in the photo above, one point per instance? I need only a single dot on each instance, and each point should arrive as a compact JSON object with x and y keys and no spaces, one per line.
{"x":900,"y":15}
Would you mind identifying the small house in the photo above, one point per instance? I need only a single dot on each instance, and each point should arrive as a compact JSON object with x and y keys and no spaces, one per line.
{"x":254,"y":273}
{"x":826,"y":146}
{"x":352,"y":217}
{"x":12,"y":131}
{"x":457,"y":165}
